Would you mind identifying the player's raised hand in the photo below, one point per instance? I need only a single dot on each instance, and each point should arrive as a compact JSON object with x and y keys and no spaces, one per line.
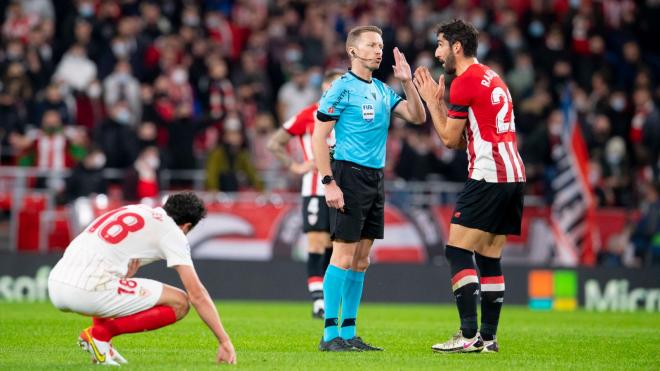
{"x":430,"y":91}
{"x":226,"y":353}
{"x":401,"y":67}
{"x":440,"y":93}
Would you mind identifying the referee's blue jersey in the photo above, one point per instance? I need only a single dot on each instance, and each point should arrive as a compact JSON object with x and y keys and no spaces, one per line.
{"x":362,"y":110}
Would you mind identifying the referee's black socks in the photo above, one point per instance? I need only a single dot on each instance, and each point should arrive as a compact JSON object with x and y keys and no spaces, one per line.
{"x":492,"y":294}
{"x":465,"y":285}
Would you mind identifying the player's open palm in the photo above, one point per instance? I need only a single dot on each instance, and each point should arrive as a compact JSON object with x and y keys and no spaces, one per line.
{"x":401,"y":67}
{"x":429,"y":90}
{"x":226,"y":353}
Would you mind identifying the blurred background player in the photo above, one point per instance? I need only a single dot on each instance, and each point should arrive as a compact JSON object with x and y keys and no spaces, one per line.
{"x":93,"y":278}
{"x":490,"y":206}
{"x":315,"y":212}
{"x":359,"y":108}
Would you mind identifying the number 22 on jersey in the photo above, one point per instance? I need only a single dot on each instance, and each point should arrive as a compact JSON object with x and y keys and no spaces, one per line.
{"x":119,"y":225}
{"x":500,"y":96}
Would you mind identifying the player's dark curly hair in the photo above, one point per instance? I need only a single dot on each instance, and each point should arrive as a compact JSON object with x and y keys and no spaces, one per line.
{"x":185,"y":207}
{"x":462,"y":32}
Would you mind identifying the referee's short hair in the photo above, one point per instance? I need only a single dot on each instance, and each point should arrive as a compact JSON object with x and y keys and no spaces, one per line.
{"x":356,"y":32}
{"x":331,"y":74}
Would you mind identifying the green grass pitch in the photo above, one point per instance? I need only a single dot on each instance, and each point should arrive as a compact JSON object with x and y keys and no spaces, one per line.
{"x":276,"y":335}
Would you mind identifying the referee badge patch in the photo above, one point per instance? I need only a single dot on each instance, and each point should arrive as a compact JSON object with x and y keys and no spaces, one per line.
{"x":368,"y":112}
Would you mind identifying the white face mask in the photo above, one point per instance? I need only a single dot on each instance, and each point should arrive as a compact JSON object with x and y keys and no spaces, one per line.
{"x":179,"y":76}
{"x":98,"y":161}
{"x":152,"y":161}
{"x":120,"y":49}
{"x":123,"y":116}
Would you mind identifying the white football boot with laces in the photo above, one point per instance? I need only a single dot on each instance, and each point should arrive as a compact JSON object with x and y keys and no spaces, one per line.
{"x":460,"y":344}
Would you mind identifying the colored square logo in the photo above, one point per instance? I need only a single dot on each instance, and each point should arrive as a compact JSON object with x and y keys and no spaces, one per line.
{"x":552,"y":290}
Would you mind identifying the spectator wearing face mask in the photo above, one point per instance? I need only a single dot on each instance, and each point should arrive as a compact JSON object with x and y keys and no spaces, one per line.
{"x":75,"y":70}
{"x":616,"y":173}
{"x":645,"y":130}
{"x":230,"y":167}
{"x":296,"y":94}
{"x":116,"y":136}
{"x":646,"y":235}
{"x":141,"y":181}
{"x":18,"y":22}
{"x":53,"y":99}
{"x":87,"y":177}
{"x":121,"y":85}
{"x":50,"y":147}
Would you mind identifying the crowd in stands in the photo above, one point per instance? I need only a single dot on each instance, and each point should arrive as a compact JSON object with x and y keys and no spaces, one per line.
{"x":182,"y":84}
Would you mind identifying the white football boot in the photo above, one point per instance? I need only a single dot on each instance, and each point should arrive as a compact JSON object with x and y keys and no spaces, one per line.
{"x":460,"y":344}
{"x":114,"y":354}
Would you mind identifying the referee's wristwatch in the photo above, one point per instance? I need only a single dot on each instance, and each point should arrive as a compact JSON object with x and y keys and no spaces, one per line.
{"x":327,"y":179}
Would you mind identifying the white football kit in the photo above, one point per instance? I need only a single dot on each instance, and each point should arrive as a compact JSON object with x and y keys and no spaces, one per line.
{"x":91,"y":276}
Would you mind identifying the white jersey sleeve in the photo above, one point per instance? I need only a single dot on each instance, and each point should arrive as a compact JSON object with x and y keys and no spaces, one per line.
{"x":175,"y":248}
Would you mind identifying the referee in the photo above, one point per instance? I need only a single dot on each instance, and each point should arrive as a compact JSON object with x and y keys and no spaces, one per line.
{"x":358,"y":107}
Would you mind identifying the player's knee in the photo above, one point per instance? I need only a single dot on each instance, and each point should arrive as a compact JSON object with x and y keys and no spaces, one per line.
{"x":361,"y":264}
{"x":181,"y":306}
{"x":341,"y":260}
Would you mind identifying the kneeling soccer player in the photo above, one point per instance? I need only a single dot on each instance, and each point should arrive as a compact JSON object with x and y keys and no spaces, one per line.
{"x":93,"y":277}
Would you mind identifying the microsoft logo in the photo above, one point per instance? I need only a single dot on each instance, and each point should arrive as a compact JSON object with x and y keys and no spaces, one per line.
{"x":552,"y":290}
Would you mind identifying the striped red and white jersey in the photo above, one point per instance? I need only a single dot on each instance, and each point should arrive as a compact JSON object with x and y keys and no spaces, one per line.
{"x":302,"y":126}
{"x":481,"y":96}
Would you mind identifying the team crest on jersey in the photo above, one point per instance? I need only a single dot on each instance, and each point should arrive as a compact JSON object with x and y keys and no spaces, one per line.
{"x":368,"y":112}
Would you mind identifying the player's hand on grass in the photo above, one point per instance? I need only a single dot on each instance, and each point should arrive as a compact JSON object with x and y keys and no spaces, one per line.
{"x":401,"y":67}
{"x":133,"y":266}
{"x":226,"y":353}
{"x":334,"y":197}
{"x":430,"y":91}
{"x":301,"y":168}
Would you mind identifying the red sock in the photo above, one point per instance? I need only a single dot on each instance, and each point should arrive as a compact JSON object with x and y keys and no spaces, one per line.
{"x":146,"y":320}
{"x":100,"y":321}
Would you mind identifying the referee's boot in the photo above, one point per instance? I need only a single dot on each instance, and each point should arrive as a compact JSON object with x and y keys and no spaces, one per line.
{"x":337,"y":345}
{"x":358,"y":343}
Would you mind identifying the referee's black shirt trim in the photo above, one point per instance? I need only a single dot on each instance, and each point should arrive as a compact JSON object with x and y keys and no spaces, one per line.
{"x":396,"y":104}
{"x":359,"y":78}
{"x":325,"y":117}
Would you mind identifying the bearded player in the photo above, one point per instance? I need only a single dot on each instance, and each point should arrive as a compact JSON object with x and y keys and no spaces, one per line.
{"x":479,"y":117}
